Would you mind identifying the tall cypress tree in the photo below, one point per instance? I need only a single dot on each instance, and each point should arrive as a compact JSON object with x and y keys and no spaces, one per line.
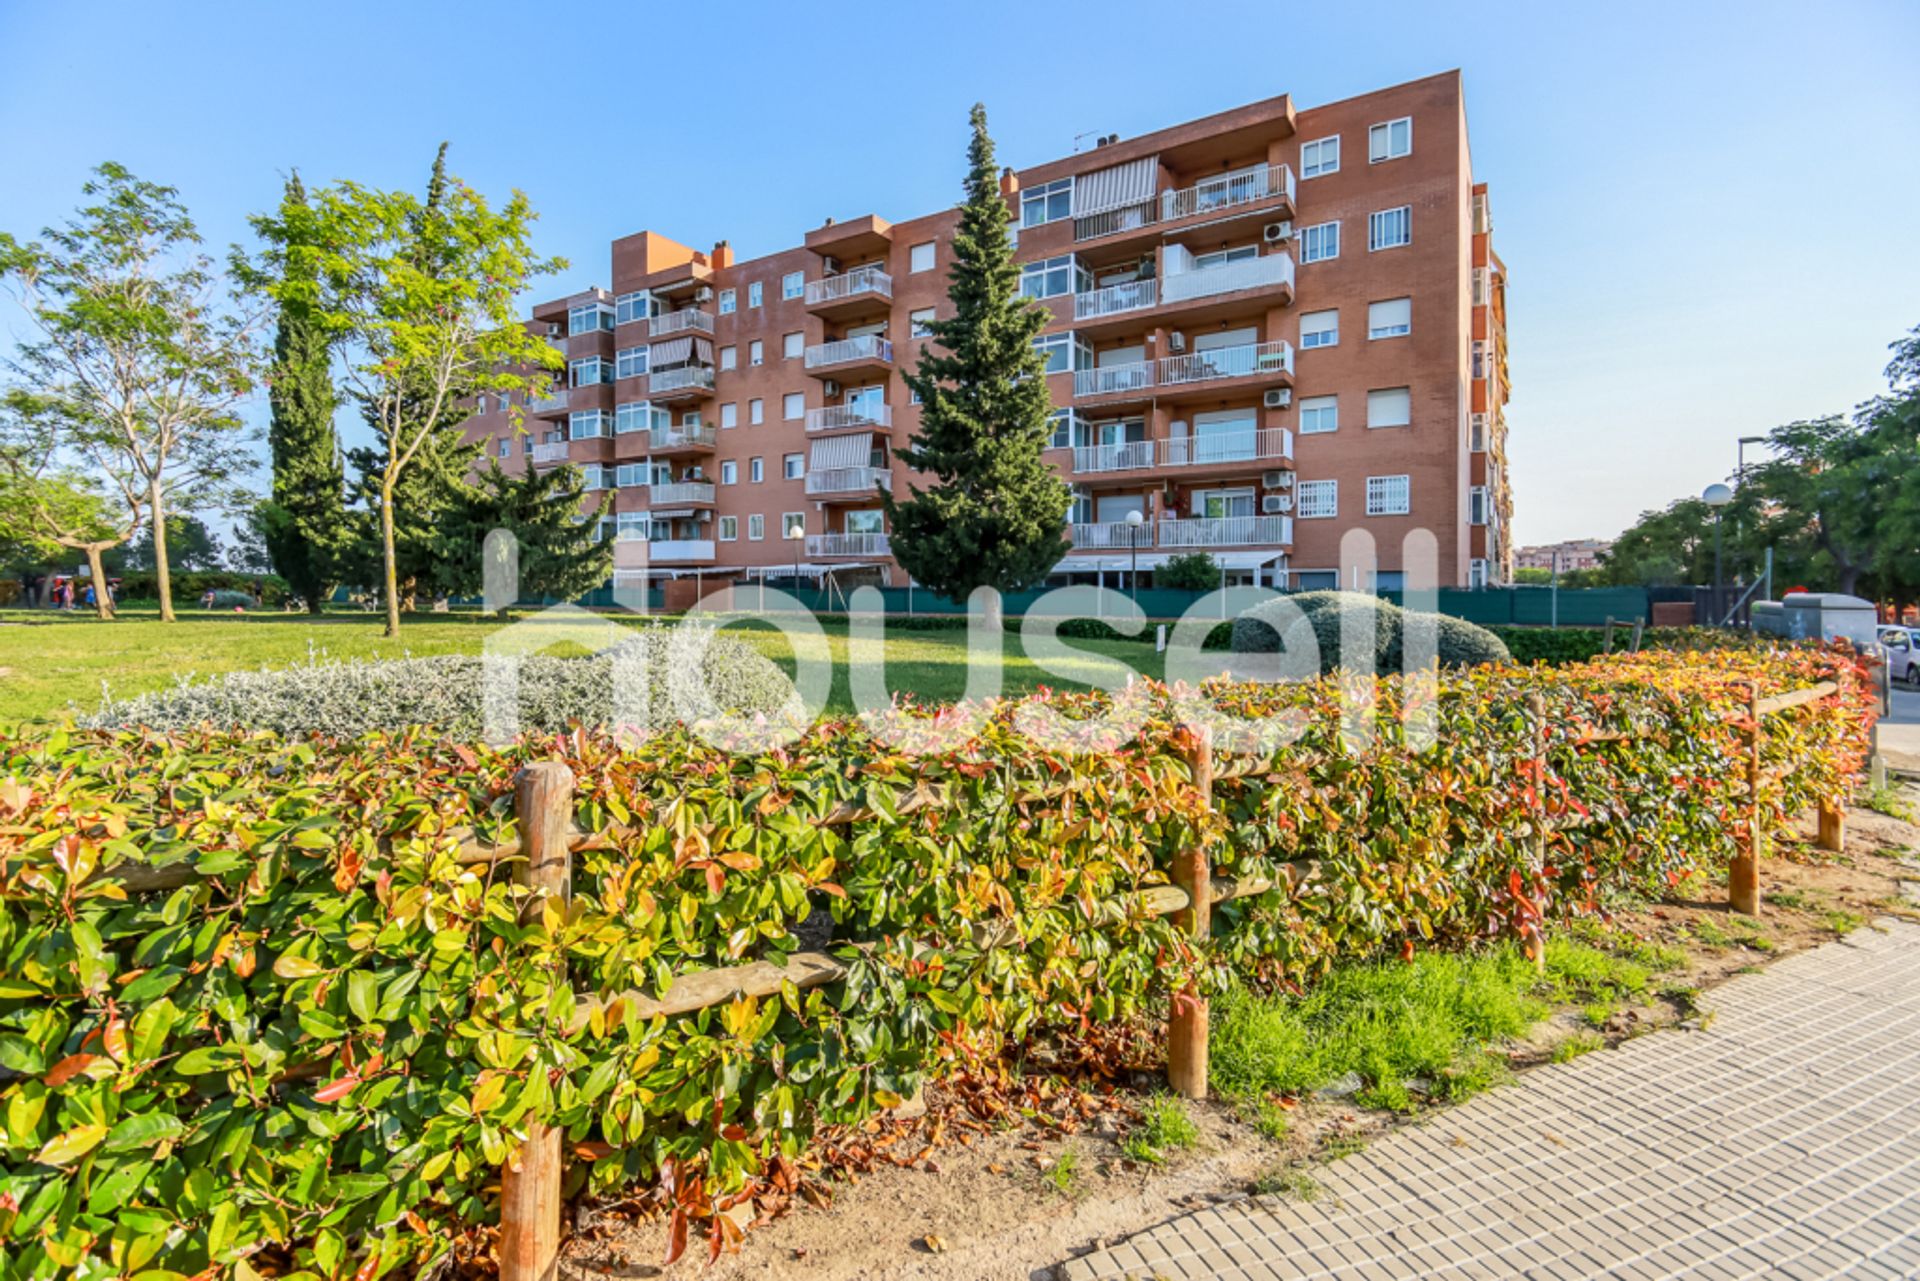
{"x":995,"y":516}
{"x":304,"y":521}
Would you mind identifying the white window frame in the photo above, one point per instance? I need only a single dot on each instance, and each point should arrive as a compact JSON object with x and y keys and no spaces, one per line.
{"x":914,"y":256}
{"x":1477,"y":505}
{"x":756,"y":293}
{"x":789,"y":521}
{"x":1384,"y":223}
{"x":1042,"y":270}
{"x":601,"y":314}
{"x":756,"y":471}
{"x":1313,"y":246}
{"x":756,"y":412}
{"x":630,"y":307}
{"x":729,"y":415}
{"x":729,"y":358}
{"x":794,"y":345}
{"x":793,"y":406}
{"x":756,"y":353}
{"x":917,"y":321}
{"x":756,"y":527}
{"x":1316,"y":489}
{"x":729,"y":302}
{"x":1477,"y":572}
{"x":1317,"y":406}
{"x":1320,"y":341}
{"x":1053,"y":201}
{"x":793,"y":285}
{"x":1376,"y":332}
{"x":729,"y":529}
{"x":1379,"y":151}
{"x":631,"y":362}
{"x":1319,"y":167}
{"x":1389,"y":495}
{"x":1375,"y":391}
{"x":730,"y":472}
{"x":793,"y":466}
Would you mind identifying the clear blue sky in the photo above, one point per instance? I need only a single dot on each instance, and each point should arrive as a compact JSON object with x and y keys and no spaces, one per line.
{"x":1707,"y":210}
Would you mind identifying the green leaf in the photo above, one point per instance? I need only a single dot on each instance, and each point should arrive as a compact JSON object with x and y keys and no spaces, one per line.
{"x":144,"y":1131}
{"x":290,"y":966}
{"x":363,"y":996}
{"x":20,"y":1055}
{"x":67,"y":1148}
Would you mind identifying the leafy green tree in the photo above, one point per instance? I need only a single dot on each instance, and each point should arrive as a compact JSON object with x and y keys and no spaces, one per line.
{"x":1194,"y":572}
{"x":62,"y":487}
{"x":303,"y":524}
{"x":432,"y":490}
{"x":418,"y":295}
{"x":134,"y":357}
{"x":191,"y":545}
{"x":995,"y":514}
{"x":561,"y":554}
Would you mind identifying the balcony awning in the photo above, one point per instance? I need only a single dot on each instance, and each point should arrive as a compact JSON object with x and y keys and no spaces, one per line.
{"x":807,"y":568}
{"x":1122,"y":562}
{"x":677,"y":351}
{"x":855,"y":449}
{"x":672,"y":513}
{"x":1115,"y":187}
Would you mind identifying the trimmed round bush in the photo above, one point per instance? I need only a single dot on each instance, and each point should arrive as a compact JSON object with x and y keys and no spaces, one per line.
{"x":1328,"y":615}
{"x":447,"y":692}
{"x":1464,"y":644}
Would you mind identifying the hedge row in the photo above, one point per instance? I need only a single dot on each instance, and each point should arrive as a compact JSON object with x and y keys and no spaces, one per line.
{"x":334,"y":1036}
{"x":1584,"y":644}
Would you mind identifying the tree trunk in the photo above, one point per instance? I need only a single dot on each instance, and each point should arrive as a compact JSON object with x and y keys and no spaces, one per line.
{"x":386,"y":546}
{"x":162,"y":580}
{"x":102,"y":600}
{"x":313,"y":603}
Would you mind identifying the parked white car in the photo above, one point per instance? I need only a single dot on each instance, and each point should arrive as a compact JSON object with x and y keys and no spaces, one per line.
{"x":1903,"y":652}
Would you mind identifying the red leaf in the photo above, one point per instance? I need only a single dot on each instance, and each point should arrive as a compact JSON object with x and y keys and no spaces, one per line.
{"x":733,"y":1134}
{"x":831,"y":888}
{"x":593,"y":1149}
{"x":676,"y":1237}
{"x":333,"y":1090}
{"x":68,"y":1068}
{"x":716,"y":878}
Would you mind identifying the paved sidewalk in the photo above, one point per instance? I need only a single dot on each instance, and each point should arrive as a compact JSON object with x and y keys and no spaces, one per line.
{"x":1781,"y":1141}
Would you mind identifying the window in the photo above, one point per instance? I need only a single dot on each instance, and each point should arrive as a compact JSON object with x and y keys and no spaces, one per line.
{"x":1046,"y":204}
{"x":1320,"y":158}
{"x":1391,"y":140}
{"x":1319,"y":329}
{"x":793,"y":346}
{"x":589,"y":423}
{"x":1221,"y":257}
{"x":638,"y":415}
{"x":729,"y":358}
{"x":793,"y":524}
{"x":1320,"y":242}
{"x":1480,"y":288}
{"x":1048,"y":278}
{"x":756,"y":528}
{"x":1064,"y":429}
{"x":756,"y":470}
{"x":1392,"y":318}
{"x":585,"y":373}
{"x":630,"y":307}
{"x":920,"y":257}
{"x":1316,"y":580}
{"x":756,"y":411}
{"x":918,"y":322}
{"x":729,"y":415}
{"x":1389,"y":407}
{"x":793,"y":406}
{"x":593,"y":476}
{"x":1387,"y":496}
{"x":793,"y":466}
{"x":1477,"y":505}
{"x":589,"y":318}
{"x":1389,"y":580}
{"x":1319,"y":414}
{"x":793,"y":284}
{"x":866,"y":521}
{"x":756,"y":353}
{"x":1319,"y":499}
{"x":727,"y":302}
{"x":630,"y":362}
{"x":1059,"y":351}
{"x":1477,"y":434}
{"x":1479,"y":358}
{"x":1477,"y":572}
{"x":1390,"y":228}
{"x":730,"y":472}
{"x":753,"y":293}
{"x":506,"y":447}
{"x":729,"y":528}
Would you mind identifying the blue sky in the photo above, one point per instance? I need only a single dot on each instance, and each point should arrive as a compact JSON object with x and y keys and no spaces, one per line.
{"x":1707,"y":210}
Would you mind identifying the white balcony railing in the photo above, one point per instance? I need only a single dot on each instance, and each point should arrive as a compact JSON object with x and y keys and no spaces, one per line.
{"x":1130,"y":456}
{"x":1263,"y":272}
{"x":835,"y":417}
{"x":555,"y":452}
{"x":686,"y":378}
{"x":1108,"y":535}
{"x":690,"y":320}
{"x":865,"y":347}
{"x":847,"y":545}
{"x":1226,"y":531}
{"x":1230,"y":447}
{"x":1228,"y":362}
{"x":1113,"y":379}
{"x":1113,"y":300}
{"x":852,"y":284}
{"x":849,"y":480}
{"x":680,"y":549}
{"x":1263,"y":182}
{"x":681,"y":437}
{"x":553,"y":404}
{"x":681,"y":491}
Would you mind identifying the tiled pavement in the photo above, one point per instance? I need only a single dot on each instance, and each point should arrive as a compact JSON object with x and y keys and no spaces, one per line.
{"x":1783,"y":1140}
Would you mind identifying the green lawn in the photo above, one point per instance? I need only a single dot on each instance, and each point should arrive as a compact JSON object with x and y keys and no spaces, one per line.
{"x":50,"y":662}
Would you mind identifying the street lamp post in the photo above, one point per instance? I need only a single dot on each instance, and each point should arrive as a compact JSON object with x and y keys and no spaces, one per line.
{"x":1135,"y":519}
{"x":1716,"y":496}
{"x":1740,"y":471}
{"x":796,"y":534}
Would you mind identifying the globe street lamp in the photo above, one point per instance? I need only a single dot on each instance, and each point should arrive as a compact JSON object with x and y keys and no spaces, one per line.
{"x":796,"y":534}
{"x":1716,"y":496}
{"x":1135,"y":519}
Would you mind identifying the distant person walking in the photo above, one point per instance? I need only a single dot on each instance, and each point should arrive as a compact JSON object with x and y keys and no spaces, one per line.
{"x":30,"y":589}
{"x":88,"y":599}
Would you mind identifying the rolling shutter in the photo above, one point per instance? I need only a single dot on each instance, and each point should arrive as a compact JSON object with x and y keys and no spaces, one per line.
{"x":1115,"y":187}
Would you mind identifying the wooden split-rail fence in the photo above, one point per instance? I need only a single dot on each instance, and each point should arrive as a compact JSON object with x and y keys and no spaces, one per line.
{"x":542,"y":858}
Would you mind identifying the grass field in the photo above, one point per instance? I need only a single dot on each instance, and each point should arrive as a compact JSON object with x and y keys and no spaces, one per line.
{"x":51,"y":662}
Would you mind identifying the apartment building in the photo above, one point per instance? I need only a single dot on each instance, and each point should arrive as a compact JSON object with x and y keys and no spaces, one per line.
{"x":1267,"y":327}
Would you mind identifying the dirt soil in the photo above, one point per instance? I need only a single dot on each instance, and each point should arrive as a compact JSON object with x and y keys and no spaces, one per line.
{"x":980,"y":1207}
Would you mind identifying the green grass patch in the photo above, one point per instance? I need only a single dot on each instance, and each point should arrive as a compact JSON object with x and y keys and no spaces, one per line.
{"x":1891,"y":802}
{"x":1165,"y":1126}
{"x":1576,"y":1045}
{"x":1841,"y":921}
{"x":1064,"y":1173}
{"x":1289,"y":1182}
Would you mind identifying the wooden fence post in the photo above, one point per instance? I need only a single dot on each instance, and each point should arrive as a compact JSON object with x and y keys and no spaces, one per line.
{"x":1537,"y":711}
{"x":1743,"y":877}
{"x":1192,"y":872}
{"x":530,"y":1180}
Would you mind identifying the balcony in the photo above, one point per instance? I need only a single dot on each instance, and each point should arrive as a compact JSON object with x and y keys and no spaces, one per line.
{"x":547,"y":455}
{"x":1114,"y":300}
{"x":688,"y":321}
{"x":1268,"y":271}
{"x":688,"y":382}
{"x":1260,"y":186}
{"x":1113,"y":380}
{"x":1268,"y":360}
{"x":668,"y":440}
{"x":549,"y":406}
{"x":1226,"y":531}
{"x":1131,"y":455}
{"x":1111,"y":535}
{"x":848,"y":545}
{"x":633,"y":551}
{"x":863,"y":289}
{"x":1267,"y":444}
{"x":850,"y":482}
{"x":865,"y":416}
{"x":680,"y":491}
{"x":867,"y":353}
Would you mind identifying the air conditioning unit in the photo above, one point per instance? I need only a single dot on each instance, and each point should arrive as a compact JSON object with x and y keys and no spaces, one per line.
{"x":830,"y":265}
{"x":1176,"y":341}
{"x":1278,"y":398}
{"x":1273,"y":504}
{"x":1277,"y":480}
{"x":1275,"y":232}
{"x":831,"y":387}
{"x":553,"y":329}
{"x":703,"y":294}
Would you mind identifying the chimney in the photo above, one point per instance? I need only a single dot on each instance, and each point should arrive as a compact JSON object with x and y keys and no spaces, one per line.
{"x":1009,"y":185}
{"x":722,"y":255}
